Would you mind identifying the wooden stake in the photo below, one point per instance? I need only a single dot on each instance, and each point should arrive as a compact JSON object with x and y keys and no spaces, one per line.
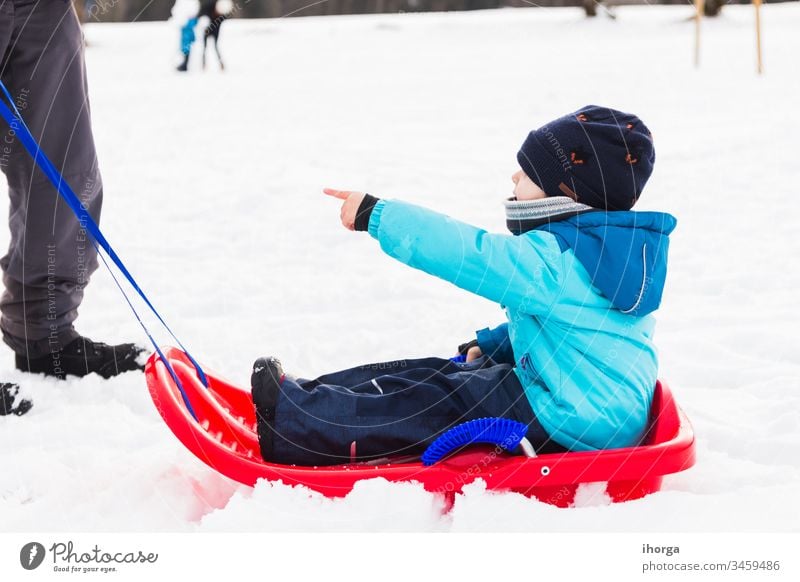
{"x":757,"y":4}
{"x":698,"y":17}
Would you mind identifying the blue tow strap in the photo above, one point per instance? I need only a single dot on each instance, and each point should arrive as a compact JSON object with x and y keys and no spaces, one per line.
{"x":17,"y":125}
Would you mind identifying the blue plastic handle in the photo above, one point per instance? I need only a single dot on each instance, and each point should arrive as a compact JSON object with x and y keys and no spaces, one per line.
{"x":495,"y":431}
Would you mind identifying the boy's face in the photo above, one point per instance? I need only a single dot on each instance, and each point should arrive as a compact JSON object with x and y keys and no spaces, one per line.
{"x":525,"y":188}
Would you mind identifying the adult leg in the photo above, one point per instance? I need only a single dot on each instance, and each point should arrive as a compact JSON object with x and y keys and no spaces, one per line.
{"x":50,"y":256}
{"x":184,"y":66}
{"x":205,"y":45}
{"x":216,"y":46}
{"x":6,"y":26}
{"x":10,"y":403}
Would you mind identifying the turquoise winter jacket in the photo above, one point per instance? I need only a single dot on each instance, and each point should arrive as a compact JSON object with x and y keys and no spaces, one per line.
{"x":587,"y":363}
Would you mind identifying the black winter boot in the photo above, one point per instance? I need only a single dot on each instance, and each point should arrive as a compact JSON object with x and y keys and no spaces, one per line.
{"x":266,"y":384}
{"x":9,"y":403}
{"x":83,"y":356}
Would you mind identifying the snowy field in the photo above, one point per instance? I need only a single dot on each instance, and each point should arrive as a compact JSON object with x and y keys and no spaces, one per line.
{"x":213,"y":198}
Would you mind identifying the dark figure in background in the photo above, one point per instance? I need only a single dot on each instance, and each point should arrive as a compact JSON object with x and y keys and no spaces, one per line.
{"x":217,"y":12}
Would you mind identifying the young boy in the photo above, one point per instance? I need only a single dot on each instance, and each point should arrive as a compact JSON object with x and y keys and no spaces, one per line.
{"x":577,"y":278}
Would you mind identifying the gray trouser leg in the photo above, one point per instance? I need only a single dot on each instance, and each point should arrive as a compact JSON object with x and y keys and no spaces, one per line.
{"x":50,"y":256}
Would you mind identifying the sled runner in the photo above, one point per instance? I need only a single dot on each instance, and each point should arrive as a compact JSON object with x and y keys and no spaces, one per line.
{"x":224,"y":437}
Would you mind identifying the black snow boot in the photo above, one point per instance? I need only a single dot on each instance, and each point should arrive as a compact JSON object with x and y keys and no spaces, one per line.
{"x":266,"y":384}
{"x":9,"y":403}
{"x":83,"y":356}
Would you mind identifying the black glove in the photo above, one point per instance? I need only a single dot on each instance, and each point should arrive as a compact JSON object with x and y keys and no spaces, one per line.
{"x":464,"y":348}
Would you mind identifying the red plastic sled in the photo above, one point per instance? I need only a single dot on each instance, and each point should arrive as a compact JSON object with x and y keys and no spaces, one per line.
{"x":224,"y":437}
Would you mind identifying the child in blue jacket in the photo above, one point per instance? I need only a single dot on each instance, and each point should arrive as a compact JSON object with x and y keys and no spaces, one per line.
{"x":578,"y":279}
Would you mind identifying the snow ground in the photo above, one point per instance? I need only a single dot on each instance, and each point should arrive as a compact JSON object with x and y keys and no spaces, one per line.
{"x":213,"y":199}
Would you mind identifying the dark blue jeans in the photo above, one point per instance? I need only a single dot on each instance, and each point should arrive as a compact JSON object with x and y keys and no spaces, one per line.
{"x":393,"y":408}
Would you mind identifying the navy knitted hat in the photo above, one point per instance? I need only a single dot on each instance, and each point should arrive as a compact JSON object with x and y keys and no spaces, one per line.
{"x":598,"y":156}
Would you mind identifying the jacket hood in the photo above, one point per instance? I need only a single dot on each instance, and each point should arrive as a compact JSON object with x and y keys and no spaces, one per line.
{"x":624,"y":252}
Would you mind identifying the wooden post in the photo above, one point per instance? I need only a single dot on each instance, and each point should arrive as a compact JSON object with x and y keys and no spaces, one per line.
{"x":699,"y":7}
{"x":757,"y":4}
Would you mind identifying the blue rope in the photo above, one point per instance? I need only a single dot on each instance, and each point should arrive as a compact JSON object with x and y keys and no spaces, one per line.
{"x":152,"y":340}
{"x":17,"y":124}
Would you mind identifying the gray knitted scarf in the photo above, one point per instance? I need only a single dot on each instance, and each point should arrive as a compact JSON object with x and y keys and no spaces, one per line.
{"x":524,"y":215}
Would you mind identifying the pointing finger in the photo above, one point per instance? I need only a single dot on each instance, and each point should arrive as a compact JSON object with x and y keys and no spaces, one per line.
{"x":341,"y":194}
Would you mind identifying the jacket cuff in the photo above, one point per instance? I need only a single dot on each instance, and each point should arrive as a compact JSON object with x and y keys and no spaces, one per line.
{"x":496,"y":344}
{"x":364,"y":212}
{"x":375,"y":218}
{"x":486,"y":341}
